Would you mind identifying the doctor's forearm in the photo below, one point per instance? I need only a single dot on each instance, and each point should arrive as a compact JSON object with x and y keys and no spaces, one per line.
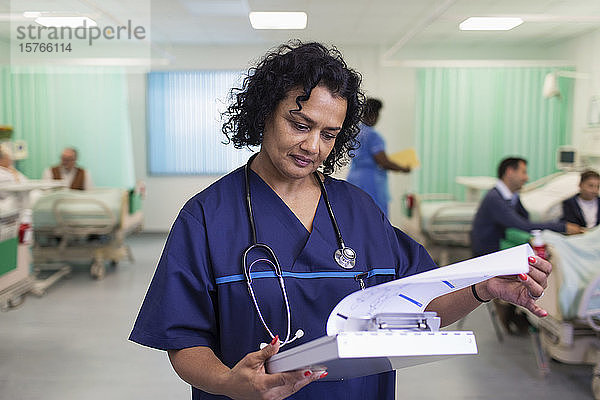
{"x":200,"y":367}
{"x":453,"y":306}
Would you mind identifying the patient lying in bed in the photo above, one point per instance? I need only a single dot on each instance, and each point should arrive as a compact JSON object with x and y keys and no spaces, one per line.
{"x":577,"y":263}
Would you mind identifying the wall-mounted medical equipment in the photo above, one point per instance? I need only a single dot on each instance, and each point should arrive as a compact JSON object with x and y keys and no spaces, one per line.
{"x":551,"y":89}
{"x":567,"y":158}
{"x":19,"y":150}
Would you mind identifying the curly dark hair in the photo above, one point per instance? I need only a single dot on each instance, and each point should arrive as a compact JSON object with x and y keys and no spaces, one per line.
{"x":290,"y":66}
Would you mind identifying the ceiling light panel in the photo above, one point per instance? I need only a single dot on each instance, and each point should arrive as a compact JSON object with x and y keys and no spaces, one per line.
{"x":490,"y":23}
{"x":278,"y":20}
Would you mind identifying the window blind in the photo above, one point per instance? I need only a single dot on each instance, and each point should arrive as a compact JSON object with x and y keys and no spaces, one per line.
{"x":184,"y":123}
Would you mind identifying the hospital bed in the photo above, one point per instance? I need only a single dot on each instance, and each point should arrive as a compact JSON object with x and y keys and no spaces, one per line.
{"x":72,"y":226}
{"x":442,"y":223}
{"x":571,"y":331}
{"x":543,"y":198}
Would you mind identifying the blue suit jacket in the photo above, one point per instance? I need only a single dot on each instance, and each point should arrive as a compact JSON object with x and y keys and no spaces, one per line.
{"x":494,"y":216}
{"x":572,"y":212}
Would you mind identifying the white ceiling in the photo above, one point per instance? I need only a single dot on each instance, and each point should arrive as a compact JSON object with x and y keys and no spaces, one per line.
{"x":415,"y":23}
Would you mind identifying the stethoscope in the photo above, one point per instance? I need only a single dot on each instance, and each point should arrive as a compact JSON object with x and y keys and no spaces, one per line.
{"x":344,"y":256}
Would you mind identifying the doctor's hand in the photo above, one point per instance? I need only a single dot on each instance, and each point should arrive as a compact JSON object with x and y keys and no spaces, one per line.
{"x":523,"y":289}
{"x":249,"y":380}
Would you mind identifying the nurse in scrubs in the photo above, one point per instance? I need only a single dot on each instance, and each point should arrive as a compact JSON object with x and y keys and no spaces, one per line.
{"x":302,"y":106}
{"x":370,"y":164}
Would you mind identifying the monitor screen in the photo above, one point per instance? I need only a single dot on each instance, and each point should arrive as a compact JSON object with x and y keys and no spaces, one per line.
{"x":567,"y":156}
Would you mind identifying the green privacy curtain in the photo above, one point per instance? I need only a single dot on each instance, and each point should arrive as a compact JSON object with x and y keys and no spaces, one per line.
{"x":84,"y":107}
{"x":6,"y":109}
{"x":468,"y":119}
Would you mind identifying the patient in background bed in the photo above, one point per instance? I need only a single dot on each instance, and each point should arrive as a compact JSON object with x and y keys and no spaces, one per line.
{"x":8,"y":173}
{"x":74,"y":176}
{"x":582,"y":209}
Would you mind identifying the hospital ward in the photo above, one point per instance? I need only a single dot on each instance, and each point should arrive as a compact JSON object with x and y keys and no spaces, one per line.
{"x":257,"y":199}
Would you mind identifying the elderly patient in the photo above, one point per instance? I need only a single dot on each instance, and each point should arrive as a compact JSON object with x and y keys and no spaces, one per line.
{"x":301,"y":105}
{"x":8,"y":172}
{"x":74,"y":176}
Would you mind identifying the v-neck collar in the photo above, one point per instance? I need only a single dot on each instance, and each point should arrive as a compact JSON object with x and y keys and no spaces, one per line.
{"x":269,"y":206}
{"x":284,"y":205}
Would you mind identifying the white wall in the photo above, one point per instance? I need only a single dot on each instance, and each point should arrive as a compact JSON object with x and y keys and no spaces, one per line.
{"x":584,"y":51}
{"x":396,"y":86}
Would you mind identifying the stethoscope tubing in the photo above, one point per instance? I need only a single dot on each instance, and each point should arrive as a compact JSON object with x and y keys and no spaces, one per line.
{"x":274,"y":262}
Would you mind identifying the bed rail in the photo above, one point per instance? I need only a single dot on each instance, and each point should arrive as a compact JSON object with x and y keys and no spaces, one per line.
{"x":91,"y":217}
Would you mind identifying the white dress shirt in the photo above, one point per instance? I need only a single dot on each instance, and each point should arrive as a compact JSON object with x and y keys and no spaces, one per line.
{"x":589,"y":208}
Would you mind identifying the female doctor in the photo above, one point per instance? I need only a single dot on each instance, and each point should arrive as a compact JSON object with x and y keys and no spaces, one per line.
{"x":218,"y":292}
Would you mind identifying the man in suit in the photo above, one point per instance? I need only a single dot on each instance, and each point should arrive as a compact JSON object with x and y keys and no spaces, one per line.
{"x":500,"y":209}
{"x":73,"y":176}
{"x":582,"y":209}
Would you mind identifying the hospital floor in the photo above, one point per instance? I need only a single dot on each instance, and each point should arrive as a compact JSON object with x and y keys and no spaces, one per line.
{"x":72,"y":344}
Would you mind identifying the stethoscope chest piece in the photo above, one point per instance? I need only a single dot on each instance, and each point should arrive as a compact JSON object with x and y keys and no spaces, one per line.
{"x":345,"y":257}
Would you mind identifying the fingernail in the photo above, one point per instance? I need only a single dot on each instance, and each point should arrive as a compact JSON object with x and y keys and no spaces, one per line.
{"x":275,"y":339}
{"x":523,"y":277}
{"x":324,"y":374}
{"x":307,"y":373}
{"x":531,"y":260}
{"x":544,"y":314}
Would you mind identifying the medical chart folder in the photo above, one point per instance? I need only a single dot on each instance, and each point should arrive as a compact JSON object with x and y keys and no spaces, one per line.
{"x":385,"y":327}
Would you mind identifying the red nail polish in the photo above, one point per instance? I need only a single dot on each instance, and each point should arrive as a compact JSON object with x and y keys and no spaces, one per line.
{"x":324,"y":374}
{"x":523,"y":277}
{"x":545,"y":314}
{"x":275,"y":339}
{"x":307,"y":373}
{"x":531,"y":260}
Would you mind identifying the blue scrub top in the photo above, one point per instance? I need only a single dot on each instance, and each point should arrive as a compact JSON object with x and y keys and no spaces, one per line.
{"x":198,"y":296}
{"x":364,"y":171}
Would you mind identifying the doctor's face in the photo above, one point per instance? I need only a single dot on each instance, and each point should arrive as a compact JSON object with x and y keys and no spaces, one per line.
{"x":296,"y":142}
